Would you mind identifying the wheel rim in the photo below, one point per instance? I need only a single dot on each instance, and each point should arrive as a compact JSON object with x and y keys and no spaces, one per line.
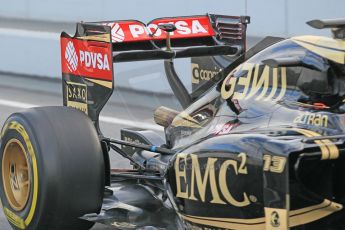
{"x":15,"y":175}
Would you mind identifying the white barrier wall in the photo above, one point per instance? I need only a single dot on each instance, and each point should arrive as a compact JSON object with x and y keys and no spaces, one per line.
{"x":25,"y":52}
{"x":38,"y":53}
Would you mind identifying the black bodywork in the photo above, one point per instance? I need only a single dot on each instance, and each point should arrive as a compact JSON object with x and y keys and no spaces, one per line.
{"x":259,"y":144}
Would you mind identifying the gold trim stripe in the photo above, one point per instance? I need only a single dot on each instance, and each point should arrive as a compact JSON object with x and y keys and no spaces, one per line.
{"x":329,"y":150}
{"x":326,"y":42}
{"x":324,"y":204}
{"x":333,"y":49}
{"x":97,"y":37}
{"x":227,"y":225}
{"x":184,"y":119}
{"x":108,"y":84}
{"x":259,"y":220}
{"x":296,"y":218}
{"x":315,"y":214}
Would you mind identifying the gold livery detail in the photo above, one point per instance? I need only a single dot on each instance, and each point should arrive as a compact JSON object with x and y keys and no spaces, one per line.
{"x":204,"y":177}
{"x":251,"y":84}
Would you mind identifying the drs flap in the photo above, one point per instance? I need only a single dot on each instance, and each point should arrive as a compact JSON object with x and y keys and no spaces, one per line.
{"x":135,"y":31}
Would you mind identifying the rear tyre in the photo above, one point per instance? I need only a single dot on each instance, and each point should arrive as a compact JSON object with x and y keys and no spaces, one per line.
{"x":52,"y":169}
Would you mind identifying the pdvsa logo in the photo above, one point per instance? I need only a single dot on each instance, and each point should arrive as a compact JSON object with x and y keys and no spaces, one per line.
{"x":71,"y":56}
{"x":94,"y":60}
{"x":117,"y":34}
{"x":183,"y":28}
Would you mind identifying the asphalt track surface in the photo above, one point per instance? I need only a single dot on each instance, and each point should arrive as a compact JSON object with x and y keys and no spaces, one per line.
{"x":114,"y":117}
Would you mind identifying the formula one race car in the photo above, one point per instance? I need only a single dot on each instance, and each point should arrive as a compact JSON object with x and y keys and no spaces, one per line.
{"x":259,"y":143}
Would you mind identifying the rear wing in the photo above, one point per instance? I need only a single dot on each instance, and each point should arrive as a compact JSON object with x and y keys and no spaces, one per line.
{"x":87,"y":58}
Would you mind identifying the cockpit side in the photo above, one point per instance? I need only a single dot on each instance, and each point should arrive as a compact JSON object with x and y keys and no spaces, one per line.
{"x":306,"y":77}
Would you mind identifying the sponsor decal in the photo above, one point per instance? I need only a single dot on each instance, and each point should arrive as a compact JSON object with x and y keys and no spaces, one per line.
{"x":270,"y":85}
{"x":222,"y":129}
{"x":213,"y":176}
{"x":185,"y":133}
{"x":94,"y":60}
{"x":199,"y":26}
{"x":71,"y":57}
{"x":275,"y":219}
{"x":87,"y":58}
{"x":117,"y":34}
{"x":187,"y":27}
{"x":274,"y":164}
{"x":312,"y":119}
{"x":202,"y":74}
{"x":77,"y":96}
{"x":132,"y":140}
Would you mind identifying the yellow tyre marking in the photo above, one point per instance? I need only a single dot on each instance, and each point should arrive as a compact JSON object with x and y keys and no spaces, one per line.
{"x":13,"y":218}
{"x":3,"y":130}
